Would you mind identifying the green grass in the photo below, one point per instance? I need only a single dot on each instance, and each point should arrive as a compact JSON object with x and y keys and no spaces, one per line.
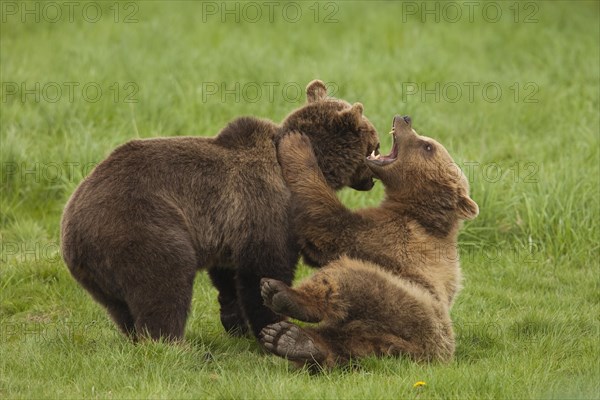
{"x":527,"y":320}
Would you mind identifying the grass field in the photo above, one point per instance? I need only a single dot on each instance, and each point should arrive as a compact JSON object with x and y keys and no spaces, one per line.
{"x":511,"y":89}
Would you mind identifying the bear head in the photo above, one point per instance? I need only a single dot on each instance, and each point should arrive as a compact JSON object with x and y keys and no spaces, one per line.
{"x":420,"y":175}
{"x":341,"y":136}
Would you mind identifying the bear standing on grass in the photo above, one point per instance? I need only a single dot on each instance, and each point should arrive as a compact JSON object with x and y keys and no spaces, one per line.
{"x":391,"y":273}
{"x":138,"y":228}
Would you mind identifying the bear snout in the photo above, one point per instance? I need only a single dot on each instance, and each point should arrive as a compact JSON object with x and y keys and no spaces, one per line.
{"x":402,"y":122}
{"x":402,"y":119}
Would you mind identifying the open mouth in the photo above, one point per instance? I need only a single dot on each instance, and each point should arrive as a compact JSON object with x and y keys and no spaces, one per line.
{"x":379,"y":159}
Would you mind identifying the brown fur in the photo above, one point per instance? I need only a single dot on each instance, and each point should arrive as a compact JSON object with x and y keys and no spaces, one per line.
{"x":138,"y":228}
{"x":390,"y":273}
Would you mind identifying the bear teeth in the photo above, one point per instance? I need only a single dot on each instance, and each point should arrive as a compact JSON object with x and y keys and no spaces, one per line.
{"x":374,"y":156}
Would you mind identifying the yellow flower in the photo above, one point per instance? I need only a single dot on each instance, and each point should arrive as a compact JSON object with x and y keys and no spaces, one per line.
{"x":419,"y":384}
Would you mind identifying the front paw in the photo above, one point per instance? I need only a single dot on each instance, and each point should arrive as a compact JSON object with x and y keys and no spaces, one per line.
{"x":295,"y":154}
{"x":283,"y":300}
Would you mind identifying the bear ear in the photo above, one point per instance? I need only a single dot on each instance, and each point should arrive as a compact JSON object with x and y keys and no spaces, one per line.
{"x":467,"y":208}
{"x":353,"y":114}
{"x":316,"y":91}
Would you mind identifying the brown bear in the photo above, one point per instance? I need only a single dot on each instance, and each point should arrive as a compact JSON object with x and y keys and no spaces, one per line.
{"x":391,"y":273}
{"x":137,"y":229}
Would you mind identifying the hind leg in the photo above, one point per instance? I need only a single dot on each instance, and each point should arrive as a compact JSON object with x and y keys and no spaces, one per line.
{"x":161,"y":320}
{"x":327,"y":347}
{"x":118,"y":310}
{"x":160,"y":300}
{"x":364,"y":311}
{"x":232,"y":317}
{"x":267,"y":260}
{"x":256,"y":312}
{"x":161,"y":312}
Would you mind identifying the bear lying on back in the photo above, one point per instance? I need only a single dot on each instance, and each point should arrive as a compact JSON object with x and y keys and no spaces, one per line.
{"x":137,"y":229}
{"x":391,"y":273}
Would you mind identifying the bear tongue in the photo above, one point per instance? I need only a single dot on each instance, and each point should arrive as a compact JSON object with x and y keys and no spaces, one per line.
{"x":391,"y":156}
{"x":394,"y":151}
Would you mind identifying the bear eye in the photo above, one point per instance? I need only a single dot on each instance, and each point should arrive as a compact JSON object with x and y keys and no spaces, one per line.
{"x":428,"y":147}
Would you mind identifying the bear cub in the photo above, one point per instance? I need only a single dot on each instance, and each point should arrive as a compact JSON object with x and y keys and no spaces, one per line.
{"x":139,"y":227}
{"x":390,"y":273}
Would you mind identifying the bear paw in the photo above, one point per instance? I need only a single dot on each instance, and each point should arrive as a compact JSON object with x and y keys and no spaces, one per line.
{"x":274,"y":294}
{"x":283,"y":300}
{"x":295,"y":153}
{"x":290,"y":341}
{"x":232,"y":317}
{"x":234,"y":324}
